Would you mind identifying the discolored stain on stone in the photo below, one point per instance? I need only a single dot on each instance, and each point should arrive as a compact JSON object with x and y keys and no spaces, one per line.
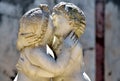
{"x":8,"y":49}
{"x":0,"y":18}
{"x":110,"y":73}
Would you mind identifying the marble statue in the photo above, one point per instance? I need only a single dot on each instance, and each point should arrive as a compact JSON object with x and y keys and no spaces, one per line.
{"x":60,"y":31}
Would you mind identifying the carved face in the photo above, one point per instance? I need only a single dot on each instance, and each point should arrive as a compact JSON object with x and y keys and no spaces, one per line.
{"x":67,"y":16}
{"x":61,"y":24}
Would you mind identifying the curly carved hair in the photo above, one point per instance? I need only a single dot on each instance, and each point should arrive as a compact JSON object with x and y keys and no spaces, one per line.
{"x":73,"y":14}
{"x":37,"y":21}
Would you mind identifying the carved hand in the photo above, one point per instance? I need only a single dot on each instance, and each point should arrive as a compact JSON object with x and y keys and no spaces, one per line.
{"x":31,"y":71}
{"x":26,"y":40}
{"x":70,"y":41}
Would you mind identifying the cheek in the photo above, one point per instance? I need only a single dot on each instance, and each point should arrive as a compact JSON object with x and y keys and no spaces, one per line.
{"x":55,"y":23}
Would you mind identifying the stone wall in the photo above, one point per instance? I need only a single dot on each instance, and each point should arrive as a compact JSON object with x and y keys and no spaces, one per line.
{"x":112,"y":39}
{"x":10,"y":13}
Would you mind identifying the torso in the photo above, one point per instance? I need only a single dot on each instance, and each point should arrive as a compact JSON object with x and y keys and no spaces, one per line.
{"x":73,"y":72}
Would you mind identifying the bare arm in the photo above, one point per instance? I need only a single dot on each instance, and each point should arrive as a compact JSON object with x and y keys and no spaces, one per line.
{"x":38,"y":57}
{"x":30,"y":70}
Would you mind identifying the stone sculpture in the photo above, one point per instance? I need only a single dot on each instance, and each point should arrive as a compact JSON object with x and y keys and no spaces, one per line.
{"x":60,"y":31}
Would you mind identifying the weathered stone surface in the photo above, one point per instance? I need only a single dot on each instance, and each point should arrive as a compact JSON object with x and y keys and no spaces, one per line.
{"x":10,"y":12}
{"x":112,"y":45}
{"x":89,"y":61}
{"x":88,"y":38}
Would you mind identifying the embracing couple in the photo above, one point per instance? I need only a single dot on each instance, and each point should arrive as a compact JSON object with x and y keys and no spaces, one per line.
{"x":60,"y":30}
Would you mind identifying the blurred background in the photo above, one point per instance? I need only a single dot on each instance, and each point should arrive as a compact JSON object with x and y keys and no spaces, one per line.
{"x":12,"y":10}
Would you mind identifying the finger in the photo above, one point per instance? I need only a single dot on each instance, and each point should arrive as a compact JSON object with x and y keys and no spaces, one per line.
{"x":73,"y":37}
{"x":71,"y":34}
{"x":26,"y":35}
{"x":76,"y":42}
{"x":19,"y":63}
{"x":37,"y":41}
{"x":34,"y":43}
{"x":30,"y":43}
{"x":18,"y":67}
{"x":32,"y":37}
{"x":29,"y":35}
